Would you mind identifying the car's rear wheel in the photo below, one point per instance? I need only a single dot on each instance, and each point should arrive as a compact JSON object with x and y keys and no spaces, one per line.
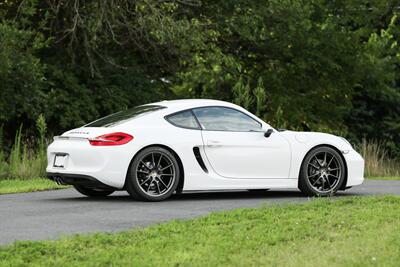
{"x":322,"y":172}
{"x":153,"y":174}
{"x":91,"y":192}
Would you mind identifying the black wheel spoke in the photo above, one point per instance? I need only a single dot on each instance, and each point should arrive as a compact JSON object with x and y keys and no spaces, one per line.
{"x":159,"y":160}
{"x":327,"y":180}
{"x":319,"y":173}
{"x":163,"y":183}
{"x":316,"y":180}
{"x":158,"y":188}
{"x":333,"y":176}
{"x":169,"y":166}
{"x":148,"y":188}
{"x":312,"y":165}
{"x":329,"y":164}
{"x":149,"y":173}
{"x":318,"y":161}
{"x":142,"y":183}
{"x":312,"y":175}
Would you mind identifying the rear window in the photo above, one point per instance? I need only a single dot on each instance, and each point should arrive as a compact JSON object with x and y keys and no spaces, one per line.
{"x":184,"y":119}
{"x":124,"y":115}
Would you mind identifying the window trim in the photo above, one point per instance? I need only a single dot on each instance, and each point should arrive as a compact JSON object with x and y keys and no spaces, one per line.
{"x":199,"y":124}
{"x":167,"y":118}
{"x":261,"y":125}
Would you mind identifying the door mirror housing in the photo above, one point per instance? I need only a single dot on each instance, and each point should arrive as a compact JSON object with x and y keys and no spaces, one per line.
{"x":268,"y":133}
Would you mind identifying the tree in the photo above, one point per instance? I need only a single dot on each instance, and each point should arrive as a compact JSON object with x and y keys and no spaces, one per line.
{"x":21,"y":76}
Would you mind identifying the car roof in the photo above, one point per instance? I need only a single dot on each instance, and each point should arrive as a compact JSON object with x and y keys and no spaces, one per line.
{"x":182,"y":104}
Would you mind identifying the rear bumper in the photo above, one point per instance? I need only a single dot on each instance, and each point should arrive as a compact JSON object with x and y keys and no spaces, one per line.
{"x":107,"y":165}
{"x":77,"y":179}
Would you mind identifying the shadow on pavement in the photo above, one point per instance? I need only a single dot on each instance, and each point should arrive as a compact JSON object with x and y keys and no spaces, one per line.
{"x":203,"y":196}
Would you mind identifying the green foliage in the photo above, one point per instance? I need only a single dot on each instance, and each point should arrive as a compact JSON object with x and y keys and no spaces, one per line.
{"x":242,"y":94}
{"x":349,"y":231}
{"x":261,"y":98}
{"x":16,"y":154}
{"x":42,"y":129}
{"x":376,"y":105}
{"x":316,"y":65}
{"x":3,"y":162}
{"x":26,"y":162}
{"x":21,"y":75}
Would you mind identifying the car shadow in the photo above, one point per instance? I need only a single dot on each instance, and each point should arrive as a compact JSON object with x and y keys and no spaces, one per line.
{"x":207,"y":196}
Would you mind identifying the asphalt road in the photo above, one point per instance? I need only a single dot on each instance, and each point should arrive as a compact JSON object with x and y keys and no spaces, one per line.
{"x":52,"y":214}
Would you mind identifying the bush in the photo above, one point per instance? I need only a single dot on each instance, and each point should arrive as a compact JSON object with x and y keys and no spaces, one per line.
{"x":27,"y":159}
{"x":377,"y":161}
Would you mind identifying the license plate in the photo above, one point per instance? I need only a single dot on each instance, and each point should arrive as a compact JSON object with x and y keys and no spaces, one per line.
{"x":59,"y":161}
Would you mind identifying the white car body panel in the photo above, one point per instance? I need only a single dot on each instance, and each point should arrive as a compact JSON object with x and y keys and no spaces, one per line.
{"x":234,"y":160}
{"x":247,"y":155}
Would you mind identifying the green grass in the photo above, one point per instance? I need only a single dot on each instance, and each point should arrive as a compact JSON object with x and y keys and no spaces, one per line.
{"x":354,"y":231}
{"x":30,"y":185}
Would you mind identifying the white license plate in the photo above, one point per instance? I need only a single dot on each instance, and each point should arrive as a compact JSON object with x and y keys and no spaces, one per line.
{"x":59,"y":161}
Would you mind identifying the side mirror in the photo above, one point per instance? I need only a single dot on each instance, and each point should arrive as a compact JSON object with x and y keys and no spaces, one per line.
{"x":268,"y":133}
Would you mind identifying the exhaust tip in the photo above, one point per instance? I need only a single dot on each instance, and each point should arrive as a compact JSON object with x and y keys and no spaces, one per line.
{"x":58,"y":180}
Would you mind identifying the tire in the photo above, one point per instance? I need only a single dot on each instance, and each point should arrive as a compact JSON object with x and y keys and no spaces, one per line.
{"x":322,"y":172}
{"x":94,"y":193}
{"x":153,"y":174}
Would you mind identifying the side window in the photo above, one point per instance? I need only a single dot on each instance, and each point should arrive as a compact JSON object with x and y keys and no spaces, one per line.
{"x":183,"y":119}
{"x":225,"y":119}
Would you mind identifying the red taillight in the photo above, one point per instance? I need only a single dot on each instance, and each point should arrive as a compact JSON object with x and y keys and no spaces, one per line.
{"x":112,"y":139}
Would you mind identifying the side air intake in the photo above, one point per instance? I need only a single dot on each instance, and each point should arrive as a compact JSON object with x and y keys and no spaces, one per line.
{"x":199,"y":159}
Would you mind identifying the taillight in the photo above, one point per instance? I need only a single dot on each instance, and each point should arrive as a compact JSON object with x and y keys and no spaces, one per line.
{"x":112,"y":139}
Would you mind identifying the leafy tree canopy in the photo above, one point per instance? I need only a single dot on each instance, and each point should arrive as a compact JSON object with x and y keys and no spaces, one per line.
{"x":306,"y":65}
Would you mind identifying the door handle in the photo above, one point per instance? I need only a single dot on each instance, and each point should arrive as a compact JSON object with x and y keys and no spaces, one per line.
{"x":213,"y":143}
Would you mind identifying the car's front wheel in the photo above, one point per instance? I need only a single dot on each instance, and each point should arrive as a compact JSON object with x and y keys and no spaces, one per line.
{"x":322,"y":172}
{"x":94,"y":193}
{"x":153,"y":175}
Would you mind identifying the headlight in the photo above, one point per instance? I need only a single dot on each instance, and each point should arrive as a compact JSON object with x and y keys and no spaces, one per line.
{"x":344,"y":139}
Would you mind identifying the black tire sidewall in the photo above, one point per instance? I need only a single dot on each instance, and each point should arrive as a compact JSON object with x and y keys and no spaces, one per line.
{"x":304,"y":183}
{"x":132,"y":184}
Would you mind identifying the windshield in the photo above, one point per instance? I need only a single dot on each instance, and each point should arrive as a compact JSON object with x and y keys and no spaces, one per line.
{"x":123,"y":116}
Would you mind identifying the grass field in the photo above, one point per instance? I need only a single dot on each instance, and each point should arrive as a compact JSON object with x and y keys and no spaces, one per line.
{"x":29,"y":185}
{"x":354,"y":231}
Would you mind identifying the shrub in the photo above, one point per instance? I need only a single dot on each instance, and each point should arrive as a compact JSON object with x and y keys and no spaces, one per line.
{"x":27,"y":159}
{"x":377,"y":161}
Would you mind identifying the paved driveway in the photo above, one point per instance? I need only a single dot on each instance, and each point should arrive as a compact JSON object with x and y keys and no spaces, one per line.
{"x":51,"y":214}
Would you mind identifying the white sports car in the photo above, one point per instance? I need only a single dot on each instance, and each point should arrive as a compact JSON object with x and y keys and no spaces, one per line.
{"x":157,"y":149}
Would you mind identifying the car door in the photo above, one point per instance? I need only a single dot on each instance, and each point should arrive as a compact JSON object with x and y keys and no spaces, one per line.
{"x":235,"y":145}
